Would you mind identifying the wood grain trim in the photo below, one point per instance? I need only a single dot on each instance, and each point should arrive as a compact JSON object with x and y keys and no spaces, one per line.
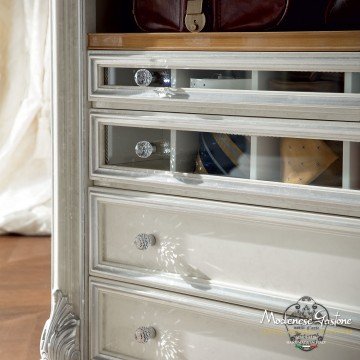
{"x":249,"y":41}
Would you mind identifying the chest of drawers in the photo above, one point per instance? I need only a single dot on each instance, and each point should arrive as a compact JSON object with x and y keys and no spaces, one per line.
{"x":187,"y":210}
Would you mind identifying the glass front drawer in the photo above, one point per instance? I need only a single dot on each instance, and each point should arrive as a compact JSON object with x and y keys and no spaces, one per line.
{"x":291,"y":85}
{"x":267,"y":155}
{"x":287,"y":160}
{"x":218,"y":79}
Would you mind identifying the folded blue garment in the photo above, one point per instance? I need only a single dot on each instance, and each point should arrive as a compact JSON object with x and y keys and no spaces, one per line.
{"x":219,"y":153}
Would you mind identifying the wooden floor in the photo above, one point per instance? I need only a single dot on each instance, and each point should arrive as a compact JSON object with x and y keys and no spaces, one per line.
{"x":24,"y":295}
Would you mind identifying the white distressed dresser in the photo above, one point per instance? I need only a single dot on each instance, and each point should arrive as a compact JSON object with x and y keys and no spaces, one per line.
{"x":163,"y":251}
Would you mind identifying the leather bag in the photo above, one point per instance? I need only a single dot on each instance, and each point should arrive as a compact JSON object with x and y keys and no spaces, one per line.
{"x":213,"y":15}
{"x":248,"y":15}
{"x":160,"y":15}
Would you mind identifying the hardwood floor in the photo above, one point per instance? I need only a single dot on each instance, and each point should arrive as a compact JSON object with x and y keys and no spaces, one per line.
{"x":24,"y":295}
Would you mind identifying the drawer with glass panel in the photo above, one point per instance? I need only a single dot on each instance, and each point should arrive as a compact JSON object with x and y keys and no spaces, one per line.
{"x":288,"y":163}
{"x":310,"y":85}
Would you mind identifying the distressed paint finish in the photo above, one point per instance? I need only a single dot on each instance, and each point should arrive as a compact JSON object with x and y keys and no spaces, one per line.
{"x":62,"y":339}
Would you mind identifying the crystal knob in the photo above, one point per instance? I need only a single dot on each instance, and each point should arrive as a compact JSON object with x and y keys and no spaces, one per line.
{"x":144,"y":149}
{"x":144,"y":333}
{"x":143,"y":77}
{"x":144,"y":241}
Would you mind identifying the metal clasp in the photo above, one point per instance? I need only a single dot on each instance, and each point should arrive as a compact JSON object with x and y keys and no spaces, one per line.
{"x":195,"y":19}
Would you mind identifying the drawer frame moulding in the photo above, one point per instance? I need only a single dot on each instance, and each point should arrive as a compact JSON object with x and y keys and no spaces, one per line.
{"x":332,"y":225}
{"x":258,"y":192}
{"x":300,"y":105}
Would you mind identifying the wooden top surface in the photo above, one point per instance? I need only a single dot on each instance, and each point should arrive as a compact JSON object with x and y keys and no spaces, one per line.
{"x":246,"y":41}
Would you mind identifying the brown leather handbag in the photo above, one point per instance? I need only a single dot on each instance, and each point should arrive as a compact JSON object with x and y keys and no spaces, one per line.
{"x":248,"y":15}
{"x":213,"y":15}
{"x":160,"y":15}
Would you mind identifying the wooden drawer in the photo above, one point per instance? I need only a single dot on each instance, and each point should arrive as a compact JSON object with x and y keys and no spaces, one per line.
{"x":230,"y":158}
{"x":192,"y":329}
{"x":250,"y":84}
{"x":248,"y":255}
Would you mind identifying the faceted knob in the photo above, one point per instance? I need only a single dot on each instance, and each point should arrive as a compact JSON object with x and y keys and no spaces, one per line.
{"x":144,"y":241}
{"x":144,"y":333}
{"x":144,"y":149}
{"x":143,"y":77}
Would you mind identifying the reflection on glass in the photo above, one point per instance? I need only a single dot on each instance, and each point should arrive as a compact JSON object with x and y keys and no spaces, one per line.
{"x":237,"y":80}
{"x":306,"y":81}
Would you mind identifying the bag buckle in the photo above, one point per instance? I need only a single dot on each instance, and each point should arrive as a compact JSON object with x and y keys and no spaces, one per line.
{"x":194,"y":19}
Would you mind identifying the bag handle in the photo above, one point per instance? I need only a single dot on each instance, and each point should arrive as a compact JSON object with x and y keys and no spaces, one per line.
{"x":194,"y":19}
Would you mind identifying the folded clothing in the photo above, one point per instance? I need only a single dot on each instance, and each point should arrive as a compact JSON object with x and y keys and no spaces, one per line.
{"x":219,"y":153}
{"x":306,"y":160}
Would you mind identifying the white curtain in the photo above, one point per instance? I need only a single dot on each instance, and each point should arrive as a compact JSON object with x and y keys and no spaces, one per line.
{"x":25,"y":148}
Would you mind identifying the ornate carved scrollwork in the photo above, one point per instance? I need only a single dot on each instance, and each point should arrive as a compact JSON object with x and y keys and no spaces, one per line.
{"x":60,"y":337}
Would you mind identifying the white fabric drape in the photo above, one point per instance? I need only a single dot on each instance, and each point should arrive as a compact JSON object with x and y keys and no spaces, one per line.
{"x":25,"y":148}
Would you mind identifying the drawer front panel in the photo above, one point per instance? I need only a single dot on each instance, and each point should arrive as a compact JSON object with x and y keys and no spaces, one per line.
{"x":270,"y":162}
{"x":252,"y":84}
{"x":226,"y":251}
{"x":190,"y":328}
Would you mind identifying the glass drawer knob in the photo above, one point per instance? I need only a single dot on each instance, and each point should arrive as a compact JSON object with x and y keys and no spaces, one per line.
{"x":143,"y":77}
{"x":144,"y":241}
{"x":144,"y":149}
{"x":144,"y":333}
